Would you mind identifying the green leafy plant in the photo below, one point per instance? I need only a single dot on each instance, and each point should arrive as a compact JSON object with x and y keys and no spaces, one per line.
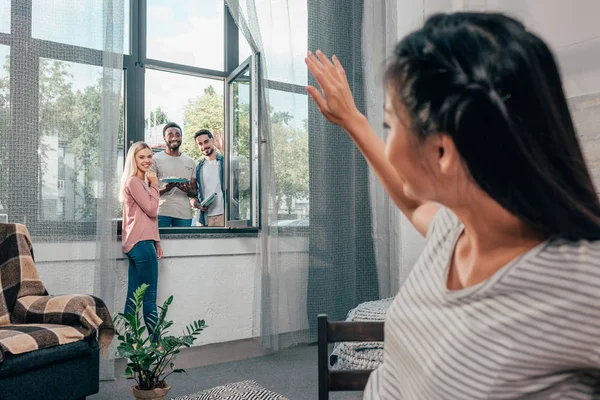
{"x":151,"y":357}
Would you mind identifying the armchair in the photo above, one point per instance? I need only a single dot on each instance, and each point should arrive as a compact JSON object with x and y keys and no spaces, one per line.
{"x":49,"y":345}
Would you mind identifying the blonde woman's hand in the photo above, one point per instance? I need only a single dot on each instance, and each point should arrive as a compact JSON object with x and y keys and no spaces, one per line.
{"x":152,"y":178}
{"x":335,"y":102}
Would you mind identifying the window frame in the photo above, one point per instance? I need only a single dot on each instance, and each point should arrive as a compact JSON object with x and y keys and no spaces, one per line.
{"x":252,"y":65}
{"x":24,"y":49}
{"x":27,"y":50}
{"x":137,"y":62}
{"x":292,"y":88}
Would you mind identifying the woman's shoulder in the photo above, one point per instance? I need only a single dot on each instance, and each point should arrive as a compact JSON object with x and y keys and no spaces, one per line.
{"x":567,"y":266}
{"x":580,"y":253}
{"x":133,"y":181}
{"x":443,"y":222}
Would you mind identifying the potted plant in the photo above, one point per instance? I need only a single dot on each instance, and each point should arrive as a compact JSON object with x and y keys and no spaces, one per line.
{"x":150,"y":360}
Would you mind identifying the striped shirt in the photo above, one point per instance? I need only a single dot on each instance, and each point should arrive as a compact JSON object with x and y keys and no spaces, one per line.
{"x":531,"y":331}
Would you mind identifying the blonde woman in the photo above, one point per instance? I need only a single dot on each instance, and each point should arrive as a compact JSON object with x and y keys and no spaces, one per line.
{"x":141,"y":242}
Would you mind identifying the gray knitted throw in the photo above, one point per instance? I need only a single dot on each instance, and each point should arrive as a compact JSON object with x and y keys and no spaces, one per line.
{"x":361,"y":355}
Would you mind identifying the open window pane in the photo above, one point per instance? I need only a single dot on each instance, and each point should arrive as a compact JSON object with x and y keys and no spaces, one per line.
{"x":80,"y":23}
{"x":189,"y":32}
{"x":240,"y":148}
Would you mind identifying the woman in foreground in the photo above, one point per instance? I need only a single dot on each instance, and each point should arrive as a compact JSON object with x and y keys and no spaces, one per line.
{"x":141,"y":241}
{"x":482,"y":157}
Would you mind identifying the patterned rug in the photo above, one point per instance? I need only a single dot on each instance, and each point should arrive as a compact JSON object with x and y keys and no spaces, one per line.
{"x":244,"y":390}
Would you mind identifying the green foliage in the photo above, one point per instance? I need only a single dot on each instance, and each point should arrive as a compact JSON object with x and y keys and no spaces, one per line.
{"x":72,"y":115}
{"x":290,"y":144}
{"x":203,"y":112}
{"x":151,"y":359}
{"x":290,"y":159}
{"x":157,"y":117}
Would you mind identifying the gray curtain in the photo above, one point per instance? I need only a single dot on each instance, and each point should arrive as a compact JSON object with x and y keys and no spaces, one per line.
{"x":342,"y":264}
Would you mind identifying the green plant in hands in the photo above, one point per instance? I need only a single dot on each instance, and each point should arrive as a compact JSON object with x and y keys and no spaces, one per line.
{"x":151,"y":356}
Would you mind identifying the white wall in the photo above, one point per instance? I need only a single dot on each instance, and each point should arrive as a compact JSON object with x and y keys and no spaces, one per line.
{"x":212,"y":279}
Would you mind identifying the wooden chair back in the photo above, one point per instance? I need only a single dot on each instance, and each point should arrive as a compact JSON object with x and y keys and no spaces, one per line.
{"x":330,"y":332}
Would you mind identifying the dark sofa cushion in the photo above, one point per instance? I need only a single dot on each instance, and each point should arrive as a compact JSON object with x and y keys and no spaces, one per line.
{"x":66,"y":372}
{"x":16,"y":364}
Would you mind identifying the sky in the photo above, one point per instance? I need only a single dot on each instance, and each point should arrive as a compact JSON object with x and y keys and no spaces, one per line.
{"x":193,"y":29}
{"x":5,"y":16}
{"x":186,"y":32}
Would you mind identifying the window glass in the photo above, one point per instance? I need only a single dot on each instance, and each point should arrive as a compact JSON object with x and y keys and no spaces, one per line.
{"x":289,"y":120}
{"x":193,"y":103}
{"x":240,"y":165}
{"x":189,"y":32}
{"x":79,"y":23}
{"x":245,"y":50}
{"x":70,"y":99}
{"x":284,"y":33}
{"x":5,"y":16}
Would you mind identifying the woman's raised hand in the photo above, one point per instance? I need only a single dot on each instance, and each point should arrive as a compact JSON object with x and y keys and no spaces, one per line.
{"x":335,"y":102}
{"x":151,"y":177}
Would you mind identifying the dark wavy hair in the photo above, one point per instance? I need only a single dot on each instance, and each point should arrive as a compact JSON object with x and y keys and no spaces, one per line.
{"x":203,"y":132}
{"x":495,"y":88}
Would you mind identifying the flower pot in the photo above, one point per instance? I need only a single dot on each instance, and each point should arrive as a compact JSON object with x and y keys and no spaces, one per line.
{"x":154,"y":394}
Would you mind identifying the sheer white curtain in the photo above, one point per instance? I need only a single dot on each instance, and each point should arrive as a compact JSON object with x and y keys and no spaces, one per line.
{"x":379,"y":37}
{"x":276,"y":30}
{"x":397,"y":244}
{"x":111,"y":109}
{"x":61,"y":136}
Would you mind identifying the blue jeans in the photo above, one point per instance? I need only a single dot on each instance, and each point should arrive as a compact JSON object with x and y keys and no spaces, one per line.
{"x":164,"y":221}
{"x":143,"y":268}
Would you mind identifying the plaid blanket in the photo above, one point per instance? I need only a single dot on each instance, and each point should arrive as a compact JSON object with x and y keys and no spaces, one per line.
{"x":30,"y":319}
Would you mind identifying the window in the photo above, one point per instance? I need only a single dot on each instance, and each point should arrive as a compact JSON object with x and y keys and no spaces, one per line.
{"x":180,"y":73}
{"x":245,"y":49}
{"x":50,"y":22}
{"x":5,"y":16}
{"x":240,"y":171}
{"x":289,"y":129}
{"x":188,"y":32}
{"x":284,"y":34}
{"x":177,"y":61}
{"x":50,"y":127}
{"x":69,"y":122}
{"x":285,"y":40}
{"x":190,"y":101}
